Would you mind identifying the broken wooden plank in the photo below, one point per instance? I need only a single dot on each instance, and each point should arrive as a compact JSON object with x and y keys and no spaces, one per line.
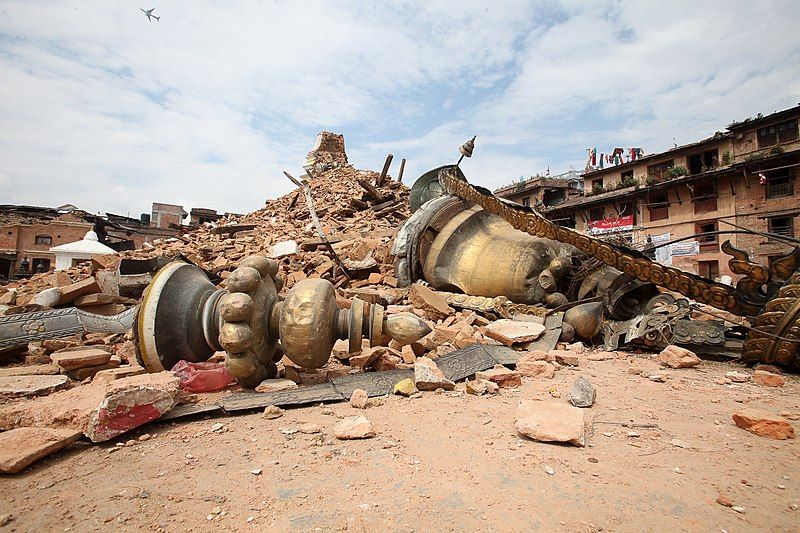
{"x":389,"y":209}
{"x":358,"y":204}
{"x":384,"y":205}
{"x":310,"y":202}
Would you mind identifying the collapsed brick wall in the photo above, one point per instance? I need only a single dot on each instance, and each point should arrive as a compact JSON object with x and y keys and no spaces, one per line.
{"x":328,"y":152}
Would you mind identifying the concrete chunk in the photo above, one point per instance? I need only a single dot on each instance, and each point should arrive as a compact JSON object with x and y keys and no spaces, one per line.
{"x":101,"y":409}
{"x":582,"y":393}
{"x":284,"y":248}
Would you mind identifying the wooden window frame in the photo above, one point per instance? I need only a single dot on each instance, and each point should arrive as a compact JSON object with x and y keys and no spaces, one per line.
{"x":703,"y":202}
{"x":708,"y":243}
{"x":659,"y":170}
{"x":658,"y":210}
{"x":712,"y":265}
{"x":787,"y":231}
{"x":791,"y":132}
{"x":767,"y":136}
{"x":772,"y":189}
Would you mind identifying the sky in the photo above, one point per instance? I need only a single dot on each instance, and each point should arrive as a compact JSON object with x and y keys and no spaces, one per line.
{"x":205,"y":108}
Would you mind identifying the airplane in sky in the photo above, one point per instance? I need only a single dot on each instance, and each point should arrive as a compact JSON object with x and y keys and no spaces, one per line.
{"x":149,"y":14}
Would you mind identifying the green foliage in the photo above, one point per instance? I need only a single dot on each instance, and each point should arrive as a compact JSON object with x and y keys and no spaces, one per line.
{"x":597,"y":188}
{"x":748,"y":119}
{"x":676,"y":172}
{"x":777,"y":150}
{"x":726,"y":157}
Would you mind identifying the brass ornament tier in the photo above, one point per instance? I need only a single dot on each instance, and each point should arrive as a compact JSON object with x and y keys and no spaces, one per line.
{"x":184,"y":316}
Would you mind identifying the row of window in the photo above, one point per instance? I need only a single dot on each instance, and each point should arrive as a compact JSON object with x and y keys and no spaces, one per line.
{"x":695,"y":164}
{"x":704,"y":161}
{"x":777,"y":133}
{"x":779,"y":184}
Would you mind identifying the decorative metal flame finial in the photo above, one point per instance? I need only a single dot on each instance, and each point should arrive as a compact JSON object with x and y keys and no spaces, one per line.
{"x":466,"y":149}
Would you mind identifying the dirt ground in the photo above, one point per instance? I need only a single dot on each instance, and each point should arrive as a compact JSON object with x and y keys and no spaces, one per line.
{"x":658,"y":456}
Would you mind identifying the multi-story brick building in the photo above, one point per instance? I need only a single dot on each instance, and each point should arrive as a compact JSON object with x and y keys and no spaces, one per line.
{"x":744,"y":177}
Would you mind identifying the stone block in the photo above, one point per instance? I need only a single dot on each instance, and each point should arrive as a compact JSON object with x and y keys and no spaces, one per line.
{"x":431,"y":303}
{"x":504,"y":377}
{"x":118,"y":373}
{"x":535,"y":368}
{"x":22,"y":447}
{"x":31,"y":385}
{"x":677,"y":357}
{"x":550,"y":422}
{"x":97,"y":298}
{"x":353,"y":427}
{"x":85,"y":357}
{"x":275,"y":385}
{"x":511,"y":332}
{"x":30,"y":370}
{"x":768,"y":379}
{"x":763,"y":423}
{"x":81,"y":288}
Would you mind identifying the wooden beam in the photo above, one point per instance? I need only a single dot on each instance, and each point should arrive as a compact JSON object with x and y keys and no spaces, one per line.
{"x":385,"y":171}
{"x":402,"y":168}
{"x":371,"y":190}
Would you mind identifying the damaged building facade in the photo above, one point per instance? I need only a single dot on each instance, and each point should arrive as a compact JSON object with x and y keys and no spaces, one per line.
{"x":29,"y":232}
{"x":544,"y":191}
{"x":746,"y":176}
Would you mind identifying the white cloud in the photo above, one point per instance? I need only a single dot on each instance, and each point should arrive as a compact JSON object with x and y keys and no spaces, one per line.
{"x":102,"y":109}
